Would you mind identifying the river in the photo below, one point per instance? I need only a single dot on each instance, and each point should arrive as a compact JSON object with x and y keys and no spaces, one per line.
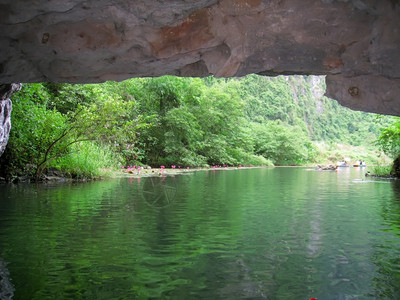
{"x":264,"y":233}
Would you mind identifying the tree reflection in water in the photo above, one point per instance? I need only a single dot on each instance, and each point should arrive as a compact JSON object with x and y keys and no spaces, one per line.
{"x":387,"y":257}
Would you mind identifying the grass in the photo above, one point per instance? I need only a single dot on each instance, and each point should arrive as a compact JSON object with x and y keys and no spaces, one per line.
{"x":88,"y":160}
{"x":381,"y":171}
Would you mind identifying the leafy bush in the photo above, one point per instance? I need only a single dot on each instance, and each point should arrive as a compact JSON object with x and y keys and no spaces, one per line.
{"x":44,"y":131}
{"x":34,"y":129}
{"x":389,"y":139}
{"x":282,"y":144}
{"x":380,"y":171}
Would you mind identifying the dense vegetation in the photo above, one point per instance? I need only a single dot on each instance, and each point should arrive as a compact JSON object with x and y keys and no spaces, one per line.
{"x":85,"y":130}
{"x":389,"y":142}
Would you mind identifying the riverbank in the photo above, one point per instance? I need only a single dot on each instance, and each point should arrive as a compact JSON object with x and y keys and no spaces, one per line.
{"x":159,"y":172}
{"x":137,"y":172}
{"x":54,"y":175}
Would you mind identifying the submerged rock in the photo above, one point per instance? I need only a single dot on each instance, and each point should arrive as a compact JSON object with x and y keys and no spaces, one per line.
{"x":326,"y":168}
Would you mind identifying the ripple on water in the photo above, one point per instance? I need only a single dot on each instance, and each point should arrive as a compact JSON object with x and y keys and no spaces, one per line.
{"x":278,"y":233}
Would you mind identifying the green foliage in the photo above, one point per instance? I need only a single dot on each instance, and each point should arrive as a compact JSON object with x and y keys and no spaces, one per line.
{"x":88,"y":160}
{"x":34,"y":129}
{"x":389,"y":139}
{"x":267,"y":98}
{"x":381,"y":171}
{"x":389,"y":142}
{"x":253,"y":120}
{"x":196,"y":125}
{"x":282,"y":144}
{"x":66,"y":98}
{"x":41,"y":134}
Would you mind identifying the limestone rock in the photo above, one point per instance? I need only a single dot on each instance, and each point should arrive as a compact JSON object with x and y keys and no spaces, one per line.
{"x":5,"y":112}
{"x":355,"y":42}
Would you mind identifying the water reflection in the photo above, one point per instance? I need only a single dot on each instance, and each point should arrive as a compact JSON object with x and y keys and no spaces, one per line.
{"x":281,"y":233}
{"x":386,"y":254}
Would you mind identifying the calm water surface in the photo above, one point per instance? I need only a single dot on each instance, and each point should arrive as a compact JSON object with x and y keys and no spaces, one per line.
{"x":279,"y":233}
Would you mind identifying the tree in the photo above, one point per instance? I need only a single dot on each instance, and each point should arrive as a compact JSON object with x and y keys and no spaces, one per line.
{"x":283,"y":144}
{"x":41,"y":135}
{"x":34,"y":126}
{"x":389,"y":139}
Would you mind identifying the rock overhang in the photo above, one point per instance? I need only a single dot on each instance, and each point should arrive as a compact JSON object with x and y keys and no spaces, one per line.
{"x":355,"y":43}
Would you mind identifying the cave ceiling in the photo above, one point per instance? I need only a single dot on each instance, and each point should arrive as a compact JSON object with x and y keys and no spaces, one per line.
{"x":355,"y":43}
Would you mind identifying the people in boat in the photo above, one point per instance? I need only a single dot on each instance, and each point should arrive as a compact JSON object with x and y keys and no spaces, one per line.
{"x":360,"y":163}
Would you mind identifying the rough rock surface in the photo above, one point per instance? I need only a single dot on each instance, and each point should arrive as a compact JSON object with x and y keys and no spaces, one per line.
{"x":356,"y":43}
{"x":6,"y":91}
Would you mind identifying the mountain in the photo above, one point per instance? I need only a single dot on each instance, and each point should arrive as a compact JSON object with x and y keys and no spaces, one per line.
{"x":300,"y":101}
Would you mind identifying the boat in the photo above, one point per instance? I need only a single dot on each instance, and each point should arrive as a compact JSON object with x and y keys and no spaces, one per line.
{"x":342,"y":164}
{"x":359,"y":164}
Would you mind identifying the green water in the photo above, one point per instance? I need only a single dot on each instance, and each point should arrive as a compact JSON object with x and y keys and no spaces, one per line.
{"x":279,"y":233}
